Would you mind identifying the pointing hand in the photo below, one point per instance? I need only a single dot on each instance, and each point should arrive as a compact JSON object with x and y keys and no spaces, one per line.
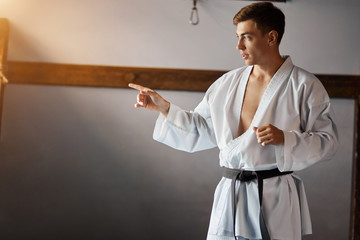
{"x":151,"y":100}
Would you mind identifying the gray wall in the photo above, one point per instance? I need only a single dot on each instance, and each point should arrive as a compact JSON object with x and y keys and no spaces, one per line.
{"x":80,"y":162}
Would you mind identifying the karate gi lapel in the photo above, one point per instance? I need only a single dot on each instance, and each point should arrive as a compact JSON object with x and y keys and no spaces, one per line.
{"x":281,"y":75}
{"x":234,"y":107}
{"x":235,"y":101}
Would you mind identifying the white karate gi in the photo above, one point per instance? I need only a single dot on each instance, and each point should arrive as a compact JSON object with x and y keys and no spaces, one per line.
{"x":296,"y":102}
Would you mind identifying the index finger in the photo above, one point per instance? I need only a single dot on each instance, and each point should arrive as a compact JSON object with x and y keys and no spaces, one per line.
{"x":261,"y":128}
{"x":138,"y":87}
{"x":265,"y":127}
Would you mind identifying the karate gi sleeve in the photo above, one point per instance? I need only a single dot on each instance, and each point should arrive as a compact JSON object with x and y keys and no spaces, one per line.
{"x":318,"y":139}
{"x":188,"y":131}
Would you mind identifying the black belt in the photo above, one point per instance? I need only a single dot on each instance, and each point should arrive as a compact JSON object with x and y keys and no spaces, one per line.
{"x":244,"y":176}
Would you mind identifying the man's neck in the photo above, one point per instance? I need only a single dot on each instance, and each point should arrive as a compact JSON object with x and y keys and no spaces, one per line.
{"x":268,"y":70}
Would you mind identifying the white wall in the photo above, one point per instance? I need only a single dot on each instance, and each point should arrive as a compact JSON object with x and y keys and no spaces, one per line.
{"x":321,"y":35}
{"x":81,"y":162}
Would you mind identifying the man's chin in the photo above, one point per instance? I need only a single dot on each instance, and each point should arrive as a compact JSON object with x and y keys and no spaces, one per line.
{"x":248,"y":62}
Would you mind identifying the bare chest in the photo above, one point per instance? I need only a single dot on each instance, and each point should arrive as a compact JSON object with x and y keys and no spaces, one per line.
{"x":253,"y":94}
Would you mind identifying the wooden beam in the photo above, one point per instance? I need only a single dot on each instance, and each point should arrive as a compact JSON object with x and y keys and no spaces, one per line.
{"x":339,"y":86}
{"x":109,"y":76}
{"x":355,"y":188}
{"x":4,"y":37}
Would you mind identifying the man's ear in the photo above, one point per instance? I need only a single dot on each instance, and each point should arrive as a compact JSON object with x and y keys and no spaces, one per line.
{"x":273,"y":37}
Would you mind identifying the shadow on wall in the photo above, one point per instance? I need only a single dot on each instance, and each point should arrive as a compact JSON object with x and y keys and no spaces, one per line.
{"x":80,"y":163}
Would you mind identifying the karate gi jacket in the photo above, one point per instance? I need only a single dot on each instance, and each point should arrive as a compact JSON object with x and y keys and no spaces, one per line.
{"x":294,"y":101}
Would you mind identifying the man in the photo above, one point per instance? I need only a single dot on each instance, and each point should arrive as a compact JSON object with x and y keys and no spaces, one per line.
{"x":268,"y":119}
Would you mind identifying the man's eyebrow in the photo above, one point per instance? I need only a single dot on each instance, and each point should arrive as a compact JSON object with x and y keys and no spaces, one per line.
{"x":243,"y":34}
{"x":246,"y":33}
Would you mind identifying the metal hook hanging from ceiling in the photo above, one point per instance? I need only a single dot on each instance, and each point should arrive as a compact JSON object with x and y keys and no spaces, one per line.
{"x":194,"y":17}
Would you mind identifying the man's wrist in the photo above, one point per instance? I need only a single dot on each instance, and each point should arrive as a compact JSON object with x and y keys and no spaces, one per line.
{"x":166,"y":109}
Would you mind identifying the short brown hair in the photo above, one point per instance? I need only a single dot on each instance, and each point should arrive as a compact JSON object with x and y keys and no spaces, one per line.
{"x":266,"y":16}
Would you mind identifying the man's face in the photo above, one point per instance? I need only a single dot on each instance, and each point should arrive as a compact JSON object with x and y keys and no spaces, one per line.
{"x":251,"y":43}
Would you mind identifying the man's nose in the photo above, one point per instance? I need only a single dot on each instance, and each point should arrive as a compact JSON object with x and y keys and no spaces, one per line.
{"x":240,"y":45}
